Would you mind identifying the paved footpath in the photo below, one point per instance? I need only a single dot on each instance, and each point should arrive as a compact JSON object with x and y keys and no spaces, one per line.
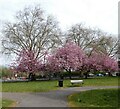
{"x":56,"y":98}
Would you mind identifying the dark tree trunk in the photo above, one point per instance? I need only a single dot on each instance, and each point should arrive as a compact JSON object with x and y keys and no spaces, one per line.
{"x":109,"y":74}
{"x":31,"y":77}
{"x":86,"y":75}
{"x":80,"y":75}
{"x":49,"y":76}
{"x":70,"y":74}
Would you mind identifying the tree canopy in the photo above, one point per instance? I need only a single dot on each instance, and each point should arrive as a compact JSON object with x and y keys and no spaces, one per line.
{"x":32,"y":31}
{"x":40,"y":44}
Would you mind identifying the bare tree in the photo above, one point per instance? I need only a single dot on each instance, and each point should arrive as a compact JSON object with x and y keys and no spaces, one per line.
{"x":92,"y":39}
{"x":107,"y":45}
{"x":81,"y":35}
{"x":32,"y":31}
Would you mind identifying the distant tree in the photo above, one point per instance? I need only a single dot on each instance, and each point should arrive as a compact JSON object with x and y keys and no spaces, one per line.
{"x":81,"y":35}
{"x":31,"y":31}
{"x":90,"y":39}
{"x":110,"y":64}
{"x":26,"y":62}
{"x":99,"y":62}
{"x":5,"y":72}
{"x":106,"y":44}
{"x":67,"y":58}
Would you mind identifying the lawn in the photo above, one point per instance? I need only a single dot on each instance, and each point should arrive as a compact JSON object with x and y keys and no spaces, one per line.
{"x":95,"y":98}
{"x":101,"y":81}
{"x":43,"y":86}
{"x":6,"y":103}
{"x":37,"y":86}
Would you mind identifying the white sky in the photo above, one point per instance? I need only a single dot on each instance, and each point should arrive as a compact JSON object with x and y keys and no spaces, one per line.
{"x":94,"y":13}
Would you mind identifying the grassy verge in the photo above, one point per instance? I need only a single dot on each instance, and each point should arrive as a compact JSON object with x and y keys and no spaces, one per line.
{"x":7,"y":103}
{"x":95,"y":98}
{"x":38,"y":86}
{"x":101,"y":81}
{"x":98,"y":81}
{"x":43,"y":86}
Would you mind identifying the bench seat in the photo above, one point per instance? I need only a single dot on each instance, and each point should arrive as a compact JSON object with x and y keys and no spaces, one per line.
{"x":76,"y":82}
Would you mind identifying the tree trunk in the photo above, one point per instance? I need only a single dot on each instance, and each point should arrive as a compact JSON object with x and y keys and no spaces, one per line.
{"x":80,"y":75}
{"x":70,"y":77}
{"x":86,"y":75}
{"x":31,"y":77}
{"x":49,"y":77}
{"x":109,"y":74}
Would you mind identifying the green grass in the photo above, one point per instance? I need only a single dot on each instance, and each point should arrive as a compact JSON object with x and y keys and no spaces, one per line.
{"x":95,"y":98}
{"x":38,"y":86}
{"x":101,"y":81}
{"x":6,"y":103}
{"x":43,"y":86}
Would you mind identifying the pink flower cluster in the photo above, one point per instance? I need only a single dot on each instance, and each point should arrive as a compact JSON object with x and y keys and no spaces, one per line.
{"x":26,"y":62}
{"x":70,"y":57}
{"x":101,"y":62}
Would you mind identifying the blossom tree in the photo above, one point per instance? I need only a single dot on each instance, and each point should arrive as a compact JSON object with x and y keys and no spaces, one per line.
{"x":26,"y":62}
{"x":85,"y":68}
{"x":96,"y":61}
{"x":99,"y":62}
{"x":69,"y":58}
{"x":110,"y":65}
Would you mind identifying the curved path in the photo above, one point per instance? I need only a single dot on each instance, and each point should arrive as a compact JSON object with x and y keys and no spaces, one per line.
{"x":56,"y":98}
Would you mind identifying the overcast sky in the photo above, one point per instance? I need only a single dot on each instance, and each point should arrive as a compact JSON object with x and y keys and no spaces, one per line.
{"x":94,"y":13}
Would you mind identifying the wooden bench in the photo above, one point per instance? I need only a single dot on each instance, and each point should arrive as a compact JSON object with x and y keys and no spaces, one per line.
{"x":76,"y":82}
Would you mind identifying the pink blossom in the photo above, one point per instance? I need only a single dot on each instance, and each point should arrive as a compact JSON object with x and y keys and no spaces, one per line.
{"x":68,"y":57}
{"x":26,"y":62}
